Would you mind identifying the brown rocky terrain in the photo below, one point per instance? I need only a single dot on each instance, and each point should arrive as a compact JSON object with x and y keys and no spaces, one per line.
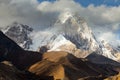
{"x":54,"y":65}
{"x":10,"y":73}
{"x":116,"y":77}
{"x":65,"y":66}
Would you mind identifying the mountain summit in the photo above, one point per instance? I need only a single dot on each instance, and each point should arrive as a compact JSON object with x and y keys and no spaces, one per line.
{"x":77,"y":31}
{"x":69,"y":33}
{"x":20,"y":34}
{"x":72,"y":34}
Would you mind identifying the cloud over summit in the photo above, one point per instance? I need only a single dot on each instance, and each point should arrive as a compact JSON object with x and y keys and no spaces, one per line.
{"x":41,"y":15}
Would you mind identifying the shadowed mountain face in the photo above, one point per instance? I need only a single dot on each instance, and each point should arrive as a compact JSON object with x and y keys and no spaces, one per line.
{"x":93,"y":57}
{"x":65,"y":66}
{"x":8,"y":43}
{"x":9,"y":72}
{"x":59,"y":65}
{"x":20,"y":34}
{"x":10,"y":51}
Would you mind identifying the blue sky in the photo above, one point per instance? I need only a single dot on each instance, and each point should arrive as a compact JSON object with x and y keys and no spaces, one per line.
{"x":85,"y":3}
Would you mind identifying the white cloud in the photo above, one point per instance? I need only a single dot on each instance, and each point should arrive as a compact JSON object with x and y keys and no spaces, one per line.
{"x":41,"y":15}
{"x":108,"y":36}
{"x":23,"y":11}
{"x":111,"y":38}
{"x":32,"y":12}
{"x":58,"y":5}
{"x":112,"y":14}
{"x":116,"y":26}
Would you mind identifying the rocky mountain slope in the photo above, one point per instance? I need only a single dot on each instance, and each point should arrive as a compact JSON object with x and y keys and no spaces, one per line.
{"x":64,"y":66}
{"x":72,"y":34}
{"x":53,"y":65}
{"x":69,"y":33}
{"x":10,"y":72}
{"x":20,"y":34}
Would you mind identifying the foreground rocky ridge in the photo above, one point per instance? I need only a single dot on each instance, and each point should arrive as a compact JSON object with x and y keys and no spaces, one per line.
{"x":64,"y":66}
{"x":10,"y":72}
{"x":54,"y":65}
{"x":70,"y":33}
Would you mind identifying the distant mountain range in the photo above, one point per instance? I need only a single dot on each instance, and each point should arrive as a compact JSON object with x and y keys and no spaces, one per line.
{"x":20,"y":34}
{"x":69,"y":33}
{"x":53,"y":65}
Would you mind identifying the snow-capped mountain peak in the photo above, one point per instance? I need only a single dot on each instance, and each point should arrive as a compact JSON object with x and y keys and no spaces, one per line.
{"x":58,"y":42}
{"x":70,"y":23}
{"x":20,"y":34}
{"x":69,"y":33}
{"x":75,"y":32}
{"x":65,"y":16}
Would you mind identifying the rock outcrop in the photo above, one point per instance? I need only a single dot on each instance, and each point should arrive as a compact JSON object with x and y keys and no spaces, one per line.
{"x":54,"y":65}
{"x":64,"y":66}
{"x":20,"y":34}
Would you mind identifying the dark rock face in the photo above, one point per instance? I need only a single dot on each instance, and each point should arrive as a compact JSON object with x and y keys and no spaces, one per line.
{"x":93,"y":57}
{"x":22,"y":59}
{"x":9,"y":72}
{"x":7,"y":46}
{"x":64,"y":66}
{"x":57,"y":65}
{"x":8,"y":43}
{"x":20,"y":34}
{"x":43,"y":49}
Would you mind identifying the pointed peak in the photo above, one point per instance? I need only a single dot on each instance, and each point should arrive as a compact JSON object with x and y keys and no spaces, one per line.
{"x":19,"y":26}
{"x":68,"y":15}
{"x":15,"y":24}
{"x":64,"y":17}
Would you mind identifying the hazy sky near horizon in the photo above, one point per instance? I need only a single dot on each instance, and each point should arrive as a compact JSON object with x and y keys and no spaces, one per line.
{"x":103,"y":16}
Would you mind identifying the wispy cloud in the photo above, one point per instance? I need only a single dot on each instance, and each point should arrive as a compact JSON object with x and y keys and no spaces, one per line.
{"x":42,"y":15}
